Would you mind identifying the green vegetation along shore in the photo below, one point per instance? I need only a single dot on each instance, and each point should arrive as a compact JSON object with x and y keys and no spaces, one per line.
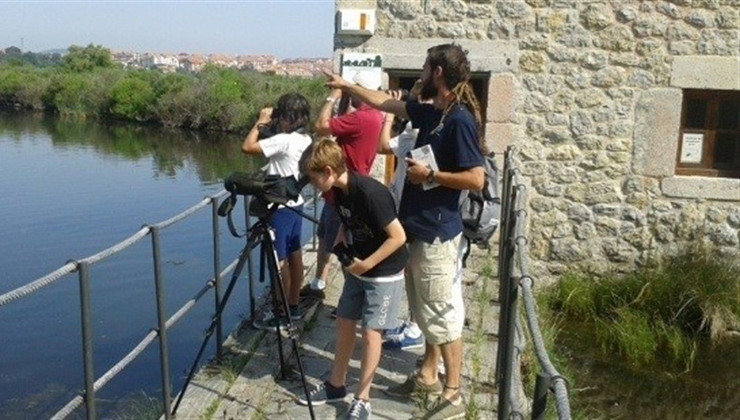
{"x":88,"y":84}
{"x":661,"y":342}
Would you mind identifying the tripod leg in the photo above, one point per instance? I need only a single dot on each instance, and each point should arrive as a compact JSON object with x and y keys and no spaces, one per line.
{"x":268,"y":246}
{"x":211,"y":329}
{"x":268,"y":254}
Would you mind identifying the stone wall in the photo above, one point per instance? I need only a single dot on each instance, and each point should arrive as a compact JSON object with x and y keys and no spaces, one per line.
{"x":590,"y":93}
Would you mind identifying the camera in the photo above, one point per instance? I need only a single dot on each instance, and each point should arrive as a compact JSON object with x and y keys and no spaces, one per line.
{"x":265,"y":188}
{"x":265,"y":131}
{"x":344,"y":254}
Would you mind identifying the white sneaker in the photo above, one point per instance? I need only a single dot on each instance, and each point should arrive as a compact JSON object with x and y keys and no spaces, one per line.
{"x":318,"y":284}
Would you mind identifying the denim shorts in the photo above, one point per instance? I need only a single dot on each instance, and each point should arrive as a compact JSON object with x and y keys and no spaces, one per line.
{"x":376,"y":304}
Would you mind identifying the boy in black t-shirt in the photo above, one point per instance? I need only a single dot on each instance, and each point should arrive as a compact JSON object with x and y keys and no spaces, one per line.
{"x":373,"y":281}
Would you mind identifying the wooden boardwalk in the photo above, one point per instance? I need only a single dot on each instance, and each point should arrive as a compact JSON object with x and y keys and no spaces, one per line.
{"x":244,"y":386}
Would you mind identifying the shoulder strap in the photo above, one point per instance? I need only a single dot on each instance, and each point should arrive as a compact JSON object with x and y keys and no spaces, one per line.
{"x":466,"y":254}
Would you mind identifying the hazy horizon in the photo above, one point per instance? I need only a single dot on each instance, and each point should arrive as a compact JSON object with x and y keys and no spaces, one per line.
{"x":257,"y":27}
{"x":113,"y":50}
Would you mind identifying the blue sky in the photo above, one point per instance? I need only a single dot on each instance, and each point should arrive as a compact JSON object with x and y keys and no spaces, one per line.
{"x":286,"y":29}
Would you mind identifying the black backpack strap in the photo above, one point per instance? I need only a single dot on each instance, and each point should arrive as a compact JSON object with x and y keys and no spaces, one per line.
{"x":466,"y":253}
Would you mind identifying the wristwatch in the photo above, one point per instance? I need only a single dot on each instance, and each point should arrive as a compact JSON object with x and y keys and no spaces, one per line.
{"x":331,"y":99}
{"x":430,"y":176}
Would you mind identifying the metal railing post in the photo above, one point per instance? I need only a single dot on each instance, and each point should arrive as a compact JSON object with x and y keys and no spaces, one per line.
{"x":504,"y":260}
{"x":539,"y":400}
{"x":250,"y":268}
{"x":87,"y":345}
{"x":509,"y":291}
{"x":164,"y":366}
{"x":217,"y":277}
{"x":505,"y":380}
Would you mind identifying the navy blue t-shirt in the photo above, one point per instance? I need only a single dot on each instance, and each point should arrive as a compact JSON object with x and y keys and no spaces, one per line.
{"x":435,"y":213}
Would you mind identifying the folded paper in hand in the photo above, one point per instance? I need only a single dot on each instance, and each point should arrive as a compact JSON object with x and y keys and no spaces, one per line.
{"x":425,"y":155}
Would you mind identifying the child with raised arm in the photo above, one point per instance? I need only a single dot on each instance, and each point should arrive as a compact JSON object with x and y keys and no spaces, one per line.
{"x":373,"y":284}
{"x":281,"y":135}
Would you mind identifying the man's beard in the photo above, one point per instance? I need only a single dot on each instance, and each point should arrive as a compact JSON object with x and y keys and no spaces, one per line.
{"x":428,"y":90}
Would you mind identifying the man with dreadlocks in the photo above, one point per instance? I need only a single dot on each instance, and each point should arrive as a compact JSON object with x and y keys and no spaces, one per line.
{"x":451,"y":125}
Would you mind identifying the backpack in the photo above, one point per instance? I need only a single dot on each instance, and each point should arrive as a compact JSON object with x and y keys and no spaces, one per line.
{"x":481,"y":210}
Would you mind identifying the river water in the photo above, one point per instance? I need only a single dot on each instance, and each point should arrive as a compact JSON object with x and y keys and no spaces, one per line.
{"x":70,"y":189}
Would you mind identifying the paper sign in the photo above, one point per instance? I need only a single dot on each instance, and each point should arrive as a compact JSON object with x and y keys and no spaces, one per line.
{"x":691,"y":147}
{"x":369,"y":63}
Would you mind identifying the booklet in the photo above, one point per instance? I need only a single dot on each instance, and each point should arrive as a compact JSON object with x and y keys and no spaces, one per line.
{"x":425,"y":154}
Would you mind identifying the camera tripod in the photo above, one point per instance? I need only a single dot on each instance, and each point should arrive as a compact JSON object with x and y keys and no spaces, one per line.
{"x":260,"y":234}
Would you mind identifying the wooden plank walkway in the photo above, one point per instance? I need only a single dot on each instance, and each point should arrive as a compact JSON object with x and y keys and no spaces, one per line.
{"x":245,"y":385}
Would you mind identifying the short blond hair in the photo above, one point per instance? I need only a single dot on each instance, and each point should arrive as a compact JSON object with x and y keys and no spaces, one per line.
{"x":321,"y":154}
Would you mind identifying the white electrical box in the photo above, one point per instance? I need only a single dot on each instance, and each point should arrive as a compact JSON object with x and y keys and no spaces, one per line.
{"x":356,"y":21}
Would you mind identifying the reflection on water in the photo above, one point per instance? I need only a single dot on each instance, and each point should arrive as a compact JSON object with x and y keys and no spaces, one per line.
{"x":70,"y":189}
{"x":213,"y":154}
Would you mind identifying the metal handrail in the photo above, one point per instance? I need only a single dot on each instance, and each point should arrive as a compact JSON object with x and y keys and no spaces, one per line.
{"x":82,"y":267}
{"x":73,"y":266}
{"x":513,"y":249}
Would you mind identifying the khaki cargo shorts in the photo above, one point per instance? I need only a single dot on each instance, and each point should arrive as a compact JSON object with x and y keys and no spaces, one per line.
{"x":434,"y":289}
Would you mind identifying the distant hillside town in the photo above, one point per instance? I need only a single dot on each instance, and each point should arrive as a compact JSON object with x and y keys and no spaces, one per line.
{"x":306,"y":67}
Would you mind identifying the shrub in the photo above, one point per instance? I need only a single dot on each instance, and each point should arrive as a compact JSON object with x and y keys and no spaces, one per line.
{"x":79,"y":95}
{"x":660,"y":312}
{"x":132,"y":98}
{"x":82,"y":59}
{"x":22,"y":86}
{"x":88,"y":84}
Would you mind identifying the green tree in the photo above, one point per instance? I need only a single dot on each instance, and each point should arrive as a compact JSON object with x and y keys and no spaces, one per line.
{"x":87,"y":58}
{"x":132,"y":98}
{"x":79,"y":95}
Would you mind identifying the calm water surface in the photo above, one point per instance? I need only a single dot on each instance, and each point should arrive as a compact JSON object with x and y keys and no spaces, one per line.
{"x":69,"y":189}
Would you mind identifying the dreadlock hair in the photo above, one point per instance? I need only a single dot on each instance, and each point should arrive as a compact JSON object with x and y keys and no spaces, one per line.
{"x":453,"y":61}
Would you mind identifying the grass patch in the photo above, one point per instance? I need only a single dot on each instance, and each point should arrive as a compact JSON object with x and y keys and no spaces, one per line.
{"x":657,"y":316}
{"x":488,"y":269}
{"x":472,"y":410}
{"x":233,"y":363}
{"x":477,"y":342}
{"x":136,"y":406}
{"x":229,"y":369}
{"x":211,"y":409}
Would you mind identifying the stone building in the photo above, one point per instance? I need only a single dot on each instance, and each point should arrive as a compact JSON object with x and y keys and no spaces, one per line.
{"x":625,"y":113}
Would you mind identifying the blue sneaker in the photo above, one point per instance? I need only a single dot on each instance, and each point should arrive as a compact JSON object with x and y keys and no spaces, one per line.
{"x":403,"y":342}
{"x":395,"y":332}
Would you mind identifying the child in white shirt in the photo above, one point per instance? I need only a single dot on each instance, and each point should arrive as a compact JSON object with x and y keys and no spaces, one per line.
{"x":280,"y":134}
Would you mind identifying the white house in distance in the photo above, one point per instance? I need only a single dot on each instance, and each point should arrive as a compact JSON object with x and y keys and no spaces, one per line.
{"x":164,"y":62}
{"x":626,"y":115}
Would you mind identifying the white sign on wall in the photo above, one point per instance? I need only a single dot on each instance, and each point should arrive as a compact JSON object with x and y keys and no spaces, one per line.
{"x":691,"y":147}
{"x":370,"y":63}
